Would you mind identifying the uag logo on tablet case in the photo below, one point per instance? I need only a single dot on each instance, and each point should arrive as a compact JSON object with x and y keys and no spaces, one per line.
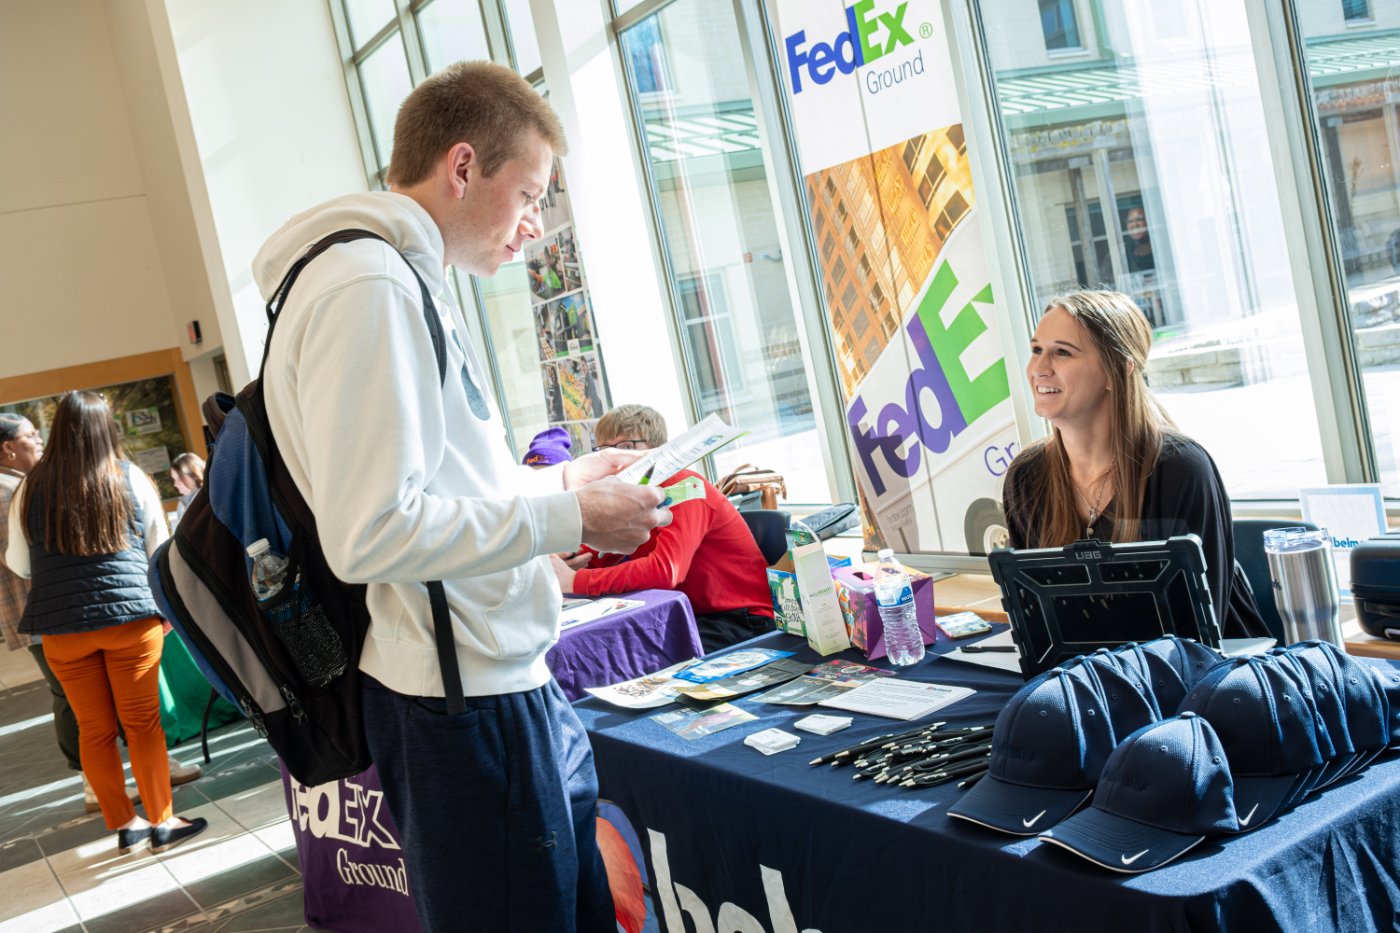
{"x":869,"y":36}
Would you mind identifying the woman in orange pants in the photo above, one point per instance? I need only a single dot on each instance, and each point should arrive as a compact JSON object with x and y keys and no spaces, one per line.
{"x":84,"y":524}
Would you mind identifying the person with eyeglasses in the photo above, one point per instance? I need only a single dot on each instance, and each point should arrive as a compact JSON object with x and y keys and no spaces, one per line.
{"x":707,"y":552}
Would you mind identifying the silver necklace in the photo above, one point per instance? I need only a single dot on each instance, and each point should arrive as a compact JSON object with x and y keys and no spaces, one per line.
{"x":1093,"y":502}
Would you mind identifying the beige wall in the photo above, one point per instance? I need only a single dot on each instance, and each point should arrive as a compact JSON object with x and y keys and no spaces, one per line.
{"x":81,"y":275}
{"x":150,"y":147}
{"x":272,"y":124}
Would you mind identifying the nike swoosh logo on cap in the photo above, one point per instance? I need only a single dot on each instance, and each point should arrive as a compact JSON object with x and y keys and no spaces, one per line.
{"x":1033,"y":820}
{"x":1244,"y":820}
{"x":1129,"y":861}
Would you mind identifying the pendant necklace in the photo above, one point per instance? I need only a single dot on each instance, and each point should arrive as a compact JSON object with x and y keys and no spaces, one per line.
{"x":1093,"y":503}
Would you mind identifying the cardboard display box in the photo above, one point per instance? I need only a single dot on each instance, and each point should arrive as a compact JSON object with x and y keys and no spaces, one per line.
{"x":855,"y":588}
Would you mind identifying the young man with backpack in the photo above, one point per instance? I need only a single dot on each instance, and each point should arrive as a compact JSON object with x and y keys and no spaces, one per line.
{"x":410,"y":479}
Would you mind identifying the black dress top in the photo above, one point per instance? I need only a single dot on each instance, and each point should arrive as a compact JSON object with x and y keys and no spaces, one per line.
{"x":1184,"y":495}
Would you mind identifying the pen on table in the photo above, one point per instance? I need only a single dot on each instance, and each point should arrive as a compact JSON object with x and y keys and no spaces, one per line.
{"x":646,"y":477}
{"x":963,"y":785}
{"x":971,"y":648}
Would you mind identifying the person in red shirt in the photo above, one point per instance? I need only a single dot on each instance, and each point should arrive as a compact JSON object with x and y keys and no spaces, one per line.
{"x":707,"y":552}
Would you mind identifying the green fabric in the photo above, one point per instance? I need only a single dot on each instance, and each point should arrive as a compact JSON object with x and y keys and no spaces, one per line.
{"x":184,"y":693}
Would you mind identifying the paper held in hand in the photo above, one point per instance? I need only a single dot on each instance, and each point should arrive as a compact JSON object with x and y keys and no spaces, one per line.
{"x":680,"y":452}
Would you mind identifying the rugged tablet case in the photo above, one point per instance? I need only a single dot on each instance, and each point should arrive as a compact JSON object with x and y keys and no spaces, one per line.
{"x":1073,"y":600}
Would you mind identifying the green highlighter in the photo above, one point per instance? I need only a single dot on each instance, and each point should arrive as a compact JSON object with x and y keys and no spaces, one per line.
{"x":692,"y":487}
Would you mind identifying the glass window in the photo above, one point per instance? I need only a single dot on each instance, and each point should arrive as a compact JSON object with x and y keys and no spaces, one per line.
{"x":1059,"y":25}
{"x":522,"y":35}
{"x":366,"y":18}
{"x":452,"y":31}
{"x":1128,"y":175}
{"x":1356,"y":10}
{"x":385,"y":80}
{"x":516,"y":350}
{"x":1352,"y":74}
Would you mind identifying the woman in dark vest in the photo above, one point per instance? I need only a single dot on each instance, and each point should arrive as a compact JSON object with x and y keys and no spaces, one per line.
{"x":84,"y":524}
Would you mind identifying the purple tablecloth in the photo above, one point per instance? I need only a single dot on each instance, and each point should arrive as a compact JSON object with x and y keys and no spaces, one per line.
{"x":626,"y":644}
{"x":353,"y":876}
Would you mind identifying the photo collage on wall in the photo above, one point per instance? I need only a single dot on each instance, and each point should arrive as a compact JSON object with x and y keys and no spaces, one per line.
{"x":571,"y":372}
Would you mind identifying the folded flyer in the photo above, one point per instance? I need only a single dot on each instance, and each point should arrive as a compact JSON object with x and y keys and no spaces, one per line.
{"x":646,"y":692}
{"x":898,"y":699}
{"x":824,"y":681}
{"x":735,"y":662}
{"x":680,"y":452}
{"x":736,"y":685}
{"x":694,"y":723}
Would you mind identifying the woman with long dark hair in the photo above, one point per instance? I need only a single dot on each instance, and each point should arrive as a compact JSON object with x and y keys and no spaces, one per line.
{"x":84,"y":524}
{"x":1115,"y":467}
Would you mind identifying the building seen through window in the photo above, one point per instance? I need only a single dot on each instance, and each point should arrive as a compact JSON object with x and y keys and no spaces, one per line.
{"x":1143,"y":165}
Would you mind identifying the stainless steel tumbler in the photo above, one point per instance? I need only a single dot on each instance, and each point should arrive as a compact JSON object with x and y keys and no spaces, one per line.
{"x":1304,"y":583}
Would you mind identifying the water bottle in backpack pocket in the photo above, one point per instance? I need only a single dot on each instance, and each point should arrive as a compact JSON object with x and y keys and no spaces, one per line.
{"x":296,"y":617}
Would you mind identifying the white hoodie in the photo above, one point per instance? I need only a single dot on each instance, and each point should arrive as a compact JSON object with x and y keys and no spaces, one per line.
{"x":406,"y":482}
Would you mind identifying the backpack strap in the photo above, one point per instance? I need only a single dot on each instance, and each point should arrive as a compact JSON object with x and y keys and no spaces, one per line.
{"x":279,"y":294}
{"x":437,"y":596}
{"x":446,"y":650}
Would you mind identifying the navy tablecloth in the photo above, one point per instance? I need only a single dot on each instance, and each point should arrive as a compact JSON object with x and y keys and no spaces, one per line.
{"x":353,"y":875}
{"x":772,"y":843}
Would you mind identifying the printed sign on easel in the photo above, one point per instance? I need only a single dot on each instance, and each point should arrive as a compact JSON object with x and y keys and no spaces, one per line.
{"x":1350,"y":514}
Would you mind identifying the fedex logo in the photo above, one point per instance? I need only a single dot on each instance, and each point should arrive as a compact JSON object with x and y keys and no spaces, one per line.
{"x":861,"y":44}
{"x":940,"y":398}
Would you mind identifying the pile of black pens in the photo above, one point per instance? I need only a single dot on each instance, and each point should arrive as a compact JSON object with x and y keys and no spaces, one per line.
{"x":923,"y":757}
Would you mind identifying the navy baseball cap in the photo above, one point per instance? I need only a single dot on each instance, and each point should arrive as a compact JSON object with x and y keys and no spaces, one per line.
{"x":1321,"y":710}
{"x":1049,"y":745}
{"x":1162,"y":685}
{"x":1318,"y":674}
{"x":1388,"y":678}
{"x":1368,"y":707}
{"x":1266,"y":727}
{"x":1122,"y":694}
{"x":1163,"y":790}
{"x":1187,"y":658}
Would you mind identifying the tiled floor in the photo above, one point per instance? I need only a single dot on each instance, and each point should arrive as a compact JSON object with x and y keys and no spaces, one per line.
{"x":60,"y":870}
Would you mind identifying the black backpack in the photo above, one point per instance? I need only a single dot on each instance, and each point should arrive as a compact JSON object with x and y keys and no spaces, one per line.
{"x":291,"y":664}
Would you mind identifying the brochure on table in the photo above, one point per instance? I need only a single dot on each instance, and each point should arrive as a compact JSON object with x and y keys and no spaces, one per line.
{"x":898,"y":699}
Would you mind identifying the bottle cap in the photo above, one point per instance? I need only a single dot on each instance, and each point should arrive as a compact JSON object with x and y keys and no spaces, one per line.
{"x":884,"y":552}
{"x":258,"y":547}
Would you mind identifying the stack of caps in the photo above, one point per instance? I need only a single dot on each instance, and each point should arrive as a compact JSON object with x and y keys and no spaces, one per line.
{"x":1252,"y":738}
{"x":1053,"y":737}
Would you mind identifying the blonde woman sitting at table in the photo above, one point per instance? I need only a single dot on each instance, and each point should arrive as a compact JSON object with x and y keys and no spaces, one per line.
{"x":1115,"y":467}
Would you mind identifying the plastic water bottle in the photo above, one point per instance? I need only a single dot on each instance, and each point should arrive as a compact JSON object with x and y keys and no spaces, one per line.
{"x":904,"y":642}
{"x":299,"y":621}
{"x":269,"y":571}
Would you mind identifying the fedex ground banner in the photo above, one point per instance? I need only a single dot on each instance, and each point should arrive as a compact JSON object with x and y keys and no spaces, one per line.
{"x":909,"y":300}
